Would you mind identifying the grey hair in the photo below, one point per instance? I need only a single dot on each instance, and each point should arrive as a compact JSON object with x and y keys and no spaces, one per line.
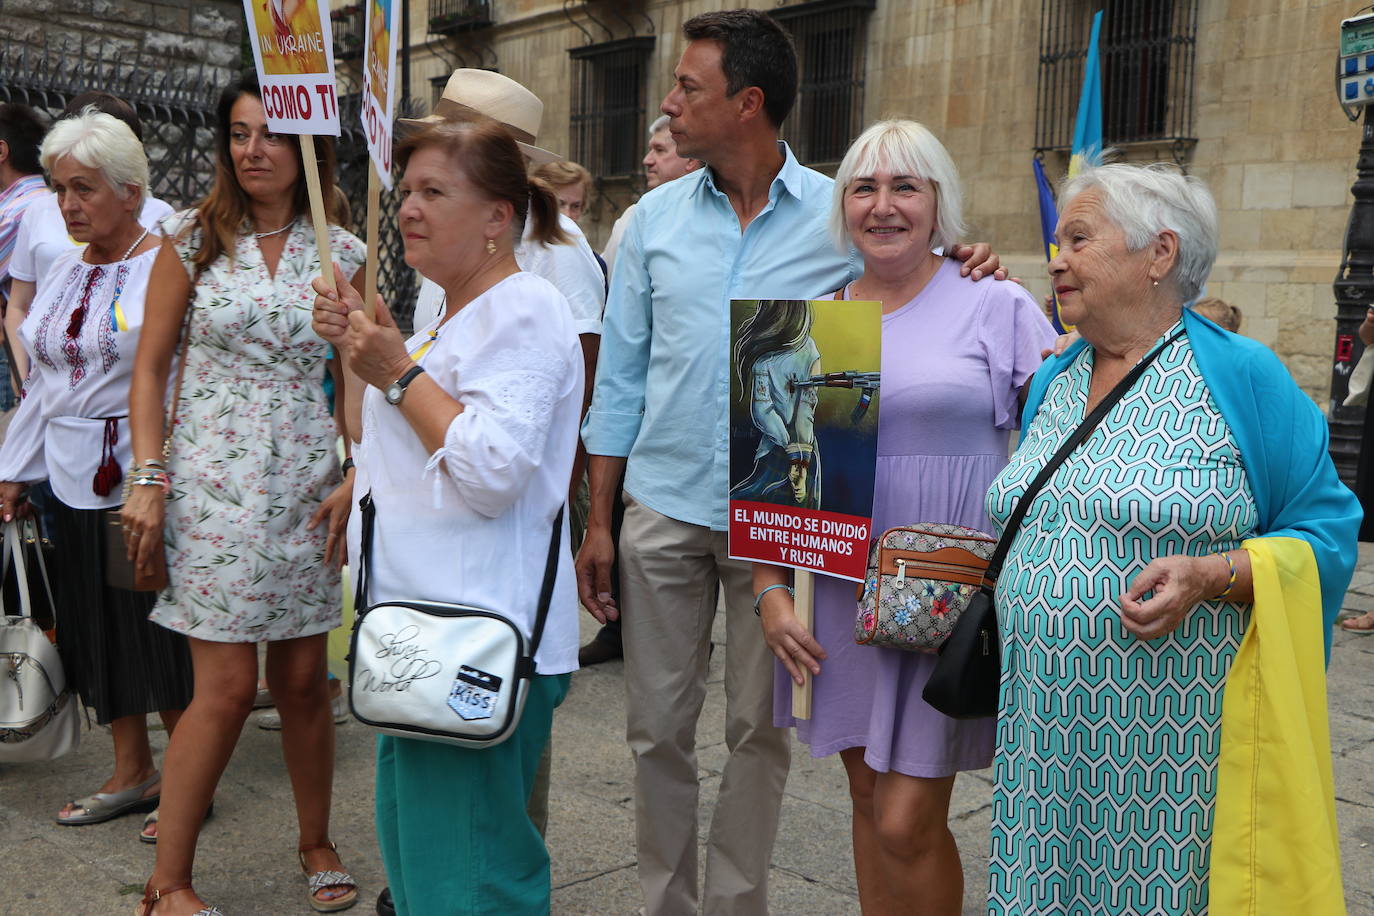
{"x":1145,"y":200}
{"x":103,"y":142}
{"x":660,"y":123}
{"x":903,"y":148}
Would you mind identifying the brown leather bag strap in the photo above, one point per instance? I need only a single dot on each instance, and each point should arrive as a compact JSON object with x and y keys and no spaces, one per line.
{"x":184,"y":346}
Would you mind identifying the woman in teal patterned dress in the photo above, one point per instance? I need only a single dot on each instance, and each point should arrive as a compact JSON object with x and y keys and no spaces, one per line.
{"x":1126,"y":592}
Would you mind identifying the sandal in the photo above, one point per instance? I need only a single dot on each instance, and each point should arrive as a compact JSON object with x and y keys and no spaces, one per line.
{"x":1364,"y":623}
{"x":320,"y":880}
{"x":143,"y":835}
{"x":151,"y":897}
{"x":103,"y":806}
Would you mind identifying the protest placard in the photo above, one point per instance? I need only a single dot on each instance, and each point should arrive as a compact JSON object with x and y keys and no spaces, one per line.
{"x":803,"y":432}
{"x":294,"y":55}
{"x":379,"y":81}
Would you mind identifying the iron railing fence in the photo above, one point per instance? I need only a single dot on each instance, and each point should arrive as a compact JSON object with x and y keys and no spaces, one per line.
{"x":831,"y":38}
{"x":449,"y":16}
{"x":348,"y":23}
{"x":1147,"y":51}
{"x":608,"y":104}
{"x":177,"y":108}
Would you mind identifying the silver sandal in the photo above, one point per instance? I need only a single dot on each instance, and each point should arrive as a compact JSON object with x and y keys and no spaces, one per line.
{"x":103,"y":806}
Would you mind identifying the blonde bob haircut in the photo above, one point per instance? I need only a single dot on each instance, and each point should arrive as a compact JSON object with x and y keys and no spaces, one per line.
{"x":102,"y":142}
{"x":903,"y":148}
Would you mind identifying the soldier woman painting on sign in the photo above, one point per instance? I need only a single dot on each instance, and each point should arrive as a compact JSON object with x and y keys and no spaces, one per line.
{"x":775,"y":352}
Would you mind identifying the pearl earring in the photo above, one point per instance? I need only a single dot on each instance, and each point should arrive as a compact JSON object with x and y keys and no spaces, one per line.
{"x":491,"y":249}
{"x":1154,"y":282}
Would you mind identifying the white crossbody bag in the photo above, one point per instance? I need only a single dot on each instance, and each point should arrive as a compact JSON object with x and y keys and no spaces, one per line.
{"x":452,"y":673}
{"x":40,"y":718}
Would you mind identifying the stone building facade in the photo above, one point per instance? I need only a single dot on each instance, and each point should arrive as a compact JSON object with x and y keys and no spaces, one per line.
{"x":168,"y":59}
{"x":1265,"y":131}
{"x":143,"y":33}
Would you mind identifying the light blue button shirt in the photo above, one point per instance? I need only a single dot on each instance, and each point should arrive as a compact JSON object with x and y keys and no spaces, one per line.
{"x":662,"y":391}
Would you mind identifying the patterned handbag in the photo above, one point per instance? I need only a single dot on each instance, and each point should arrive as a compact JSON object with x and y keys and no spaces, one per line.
{"x":920,"y":579}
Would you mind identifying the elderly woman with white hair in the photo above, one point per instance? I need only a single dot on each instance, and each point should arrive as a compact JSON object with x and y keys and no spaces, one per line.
{"x":955,"y":356}
{"x":1201,"y":510}
{"x":72,"y":431}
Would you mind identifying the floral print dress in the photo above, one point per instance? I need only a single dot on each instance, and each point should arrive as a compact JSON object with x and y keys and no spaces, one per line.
{"x":253,"y":447}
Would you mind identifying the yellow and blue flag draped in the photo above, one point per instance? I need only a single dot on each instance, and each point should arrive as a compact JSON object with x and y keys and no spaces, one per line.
{"x":1275,"y":847}
{"x":1086,"y":150}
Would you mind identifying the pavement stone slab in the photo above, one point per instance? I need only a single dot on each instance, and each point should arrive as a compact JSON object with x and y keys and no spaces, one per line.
{"x":246,"y":861}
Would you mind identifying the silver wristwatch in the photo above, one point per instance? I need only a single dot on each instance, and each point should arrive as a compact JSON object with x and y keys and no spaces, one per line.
{"x":397,"y":389}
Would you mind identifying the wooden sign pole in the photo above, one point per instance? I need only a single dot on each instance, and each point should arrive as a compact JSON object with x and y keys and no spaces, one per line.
{"x":374,"y":240}
{"x":317,"y":212}
{"x":803,"y":586}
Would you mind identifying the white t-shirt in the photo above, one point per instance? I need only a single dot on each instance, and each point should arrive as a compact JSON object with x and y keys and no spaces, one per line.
{"x":43,"y":236}
{"x":572,"y":269}
{"x":470,"y":523}
{"x":617,"y":230}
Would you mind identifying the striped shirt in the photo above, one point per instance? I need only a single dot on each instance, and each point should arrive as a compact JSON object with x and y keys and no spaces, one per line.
{"x":14,"y":200}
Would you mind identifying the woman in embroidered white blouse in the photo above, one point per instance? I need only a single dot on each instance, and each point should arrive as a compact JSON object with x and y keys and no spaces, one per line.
{"x":71,"y":433}
{"x":468,"y":458}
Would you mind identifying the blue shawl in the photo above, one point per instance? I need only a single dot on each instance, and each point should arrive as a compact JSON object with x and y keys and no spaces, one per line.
{"x":1282,"y":438}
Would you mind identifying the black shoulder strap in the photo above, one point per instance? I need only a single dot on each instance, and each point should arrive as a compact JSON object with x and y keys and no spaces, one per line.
{"x":369,"y":511}
{"x":550,"y":575}
{"x":1084,"y":429}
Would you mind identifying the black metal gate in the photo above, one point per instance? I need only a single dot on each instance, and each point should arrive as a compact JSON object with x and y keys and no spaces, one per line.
{"x":177,"y":107}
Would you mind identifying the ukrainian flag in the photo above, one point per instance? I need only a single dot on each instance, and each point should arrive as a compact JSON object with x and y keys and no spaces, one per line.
{"x":1087,"y":149}
{"x":1049,"y":215}
{"x":1087,"y":128}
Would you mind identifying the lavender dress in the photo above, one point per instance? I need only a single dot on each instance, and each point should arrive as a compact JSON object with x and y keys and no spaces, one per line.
{"x":954,"y":358}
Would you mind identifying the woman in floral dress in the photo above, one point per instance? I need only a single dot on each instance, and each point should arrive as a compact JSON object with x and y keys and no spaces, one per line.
{"x":255,"y":503}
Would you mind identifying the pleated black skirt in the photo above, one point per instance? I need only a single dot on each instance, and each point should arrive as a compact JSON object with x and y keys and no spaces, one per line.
{"x":121,"y":663}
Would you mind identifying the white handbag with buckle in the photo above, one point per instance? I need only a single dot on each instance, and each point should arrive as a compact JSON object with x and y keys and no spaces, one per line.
{"x":451,"y":673}
{"x":39,"y":717}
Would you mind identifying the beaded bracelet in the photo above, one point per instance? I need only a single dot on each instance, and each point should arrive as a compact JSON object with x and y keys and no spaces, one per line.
{"x":1231,"y":582}
{"x":148,"y":477}
{"x":766,"y":591}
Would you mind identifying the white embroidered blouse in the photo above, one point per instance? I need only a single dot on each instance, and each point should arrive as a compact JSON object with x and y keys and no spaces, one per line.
{"x":82,"y":332}
{"x":471,"y":522}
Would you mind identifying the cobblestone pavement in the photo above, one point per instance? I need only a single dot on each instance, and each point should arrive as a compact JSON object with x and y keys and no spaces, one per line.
{"x":247,"y":863}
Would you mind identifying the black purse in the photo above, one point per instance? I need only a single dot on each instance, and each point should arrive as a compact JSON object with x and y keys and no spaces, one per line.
{"x":968,"y":674}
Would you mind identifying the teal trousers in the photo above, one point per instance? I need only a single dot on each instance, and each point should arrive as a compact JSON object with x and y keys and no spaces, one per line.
{"x":452,"y":824}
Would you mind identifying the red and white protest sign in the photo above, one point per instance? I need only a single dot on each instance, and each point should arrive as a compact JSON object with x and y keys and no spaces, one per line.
{"x":379,"y":82}
{"x":294,"y":55}
{"x":804,"y":432}
{"x":823,"y":542}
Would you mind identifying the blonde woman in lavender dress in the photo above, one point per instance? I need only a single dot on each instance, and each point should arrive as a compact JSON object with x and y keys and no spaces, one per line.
{"x":955,"y":355}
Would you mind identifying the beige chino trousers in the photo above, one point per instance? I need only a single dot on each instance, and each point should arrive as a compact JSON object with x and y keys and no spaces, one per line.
{"x":670,"y":575}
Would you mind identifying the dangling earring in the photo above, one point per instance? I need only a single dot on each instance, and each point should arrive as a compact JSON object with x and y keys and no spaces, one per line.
{"x":1154,"y":282}
{"x":491,"y":248}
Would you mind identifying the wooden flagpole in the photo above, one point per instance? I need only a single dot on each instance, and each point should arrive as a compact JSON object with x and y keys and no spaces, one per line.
{"x":317,"y":209}
{"x":803,"y":587}
{"x":374,"y":240}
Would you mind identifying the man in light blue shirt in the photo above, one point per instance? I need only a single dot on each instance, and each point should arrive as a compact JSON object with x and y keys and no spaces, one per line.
{"x":751,"y":225}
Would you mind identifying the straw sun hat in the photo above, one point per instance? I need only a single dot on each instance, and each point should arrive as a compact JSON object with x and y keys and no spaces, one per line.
{"x":497,"y":97}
